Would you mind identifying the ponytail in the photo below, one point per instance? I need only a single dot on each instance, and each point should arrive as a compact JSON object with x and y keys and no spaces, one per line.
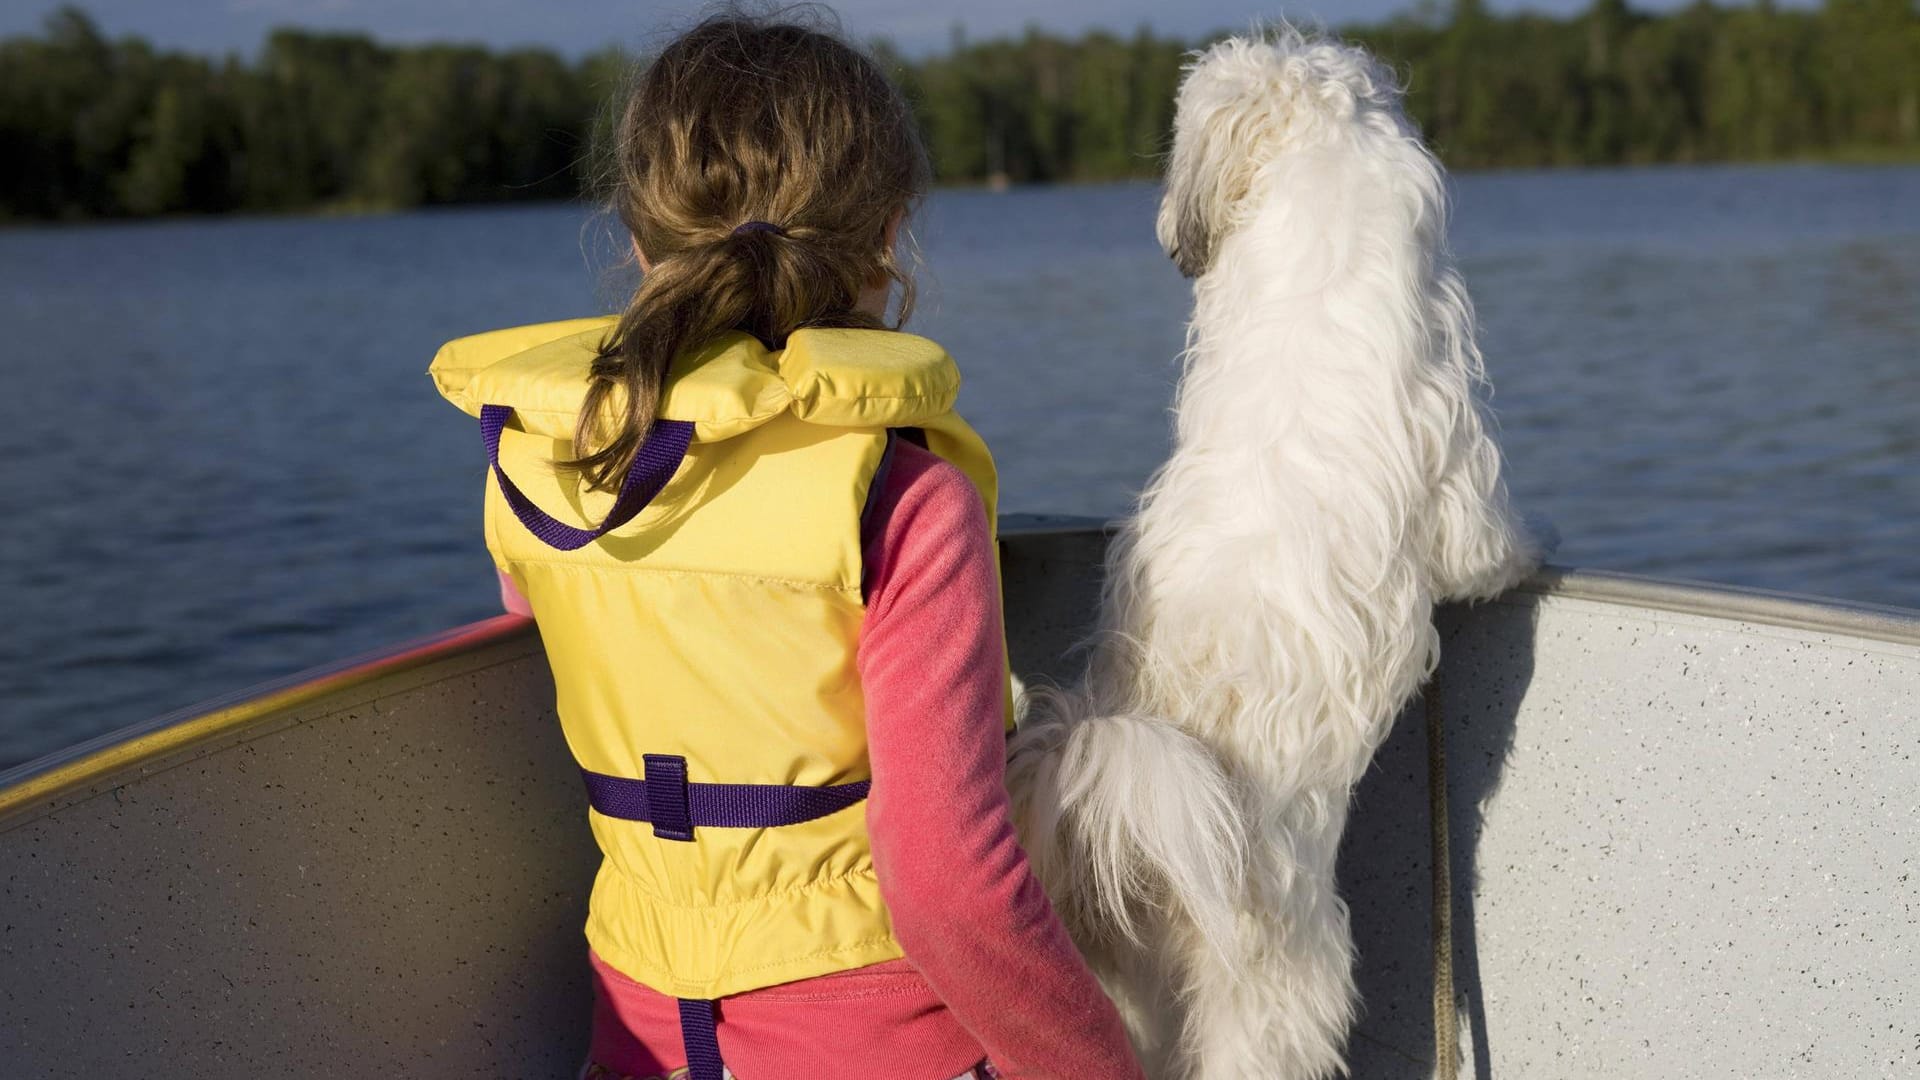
{"x":734,"y":122}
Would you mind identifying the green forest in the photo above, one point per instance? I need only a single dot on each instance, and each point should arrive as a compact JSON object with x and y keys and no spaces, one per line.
{"x":99,"y":127}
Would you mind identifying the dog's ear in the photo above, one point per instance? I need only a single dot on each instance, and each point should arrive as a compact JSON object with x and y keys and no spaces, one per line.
{"x":1223,"y":120}
{"x":1190,"y":209}
{"x":1184,"y":226}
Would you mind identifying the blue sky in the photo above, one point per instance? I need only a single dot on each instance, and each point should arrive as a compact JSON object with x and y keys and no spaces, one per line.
{"x":577,"y":26}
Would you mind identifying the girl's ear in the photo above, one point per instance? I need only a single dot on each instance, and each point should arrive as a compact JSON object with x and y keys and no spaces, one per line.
{"x":638,"y":255}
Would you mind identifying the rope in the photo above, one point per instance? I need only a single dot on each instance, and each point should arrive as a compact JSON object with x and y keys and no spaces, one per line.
{"x":1446,"y":1035}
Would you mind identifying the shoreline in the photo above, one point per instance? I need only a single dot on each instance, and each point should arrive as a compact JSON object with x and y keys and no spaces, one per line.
{"x":1872,"y":158}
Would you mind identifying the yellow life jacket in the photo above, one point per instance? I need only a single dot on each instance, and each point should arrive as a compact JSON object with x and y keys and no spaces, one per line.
{"x":715,"y":632}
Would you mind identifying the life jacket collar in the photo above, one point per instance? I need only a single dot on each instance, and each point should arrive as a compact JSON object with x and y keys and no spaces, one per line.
{"x":729,"y":386}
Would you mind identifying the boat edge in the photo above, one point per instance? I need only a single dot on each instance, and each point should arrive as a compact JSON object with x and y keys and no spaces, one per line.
{"x":47,"y":780}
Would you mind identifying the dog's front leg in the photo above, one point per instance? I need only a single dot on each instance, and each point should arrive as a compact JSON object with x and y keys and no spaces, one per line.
{"x":1476,"y":546}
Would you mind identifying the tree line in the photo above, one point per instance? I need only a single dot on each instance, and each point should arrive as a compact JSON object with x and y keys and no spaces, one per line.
{"x":91,"y":127}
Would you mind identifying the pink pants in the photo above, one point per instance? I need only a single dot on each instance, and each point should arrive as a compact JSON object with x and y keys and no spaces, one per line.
{"x":601,"y":1073}
{"x":623,"y":1009}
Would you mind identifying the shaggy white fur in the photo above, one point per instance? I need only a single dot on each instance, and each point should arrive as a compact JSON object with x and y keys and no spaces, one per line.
{"x":1268,"y":609}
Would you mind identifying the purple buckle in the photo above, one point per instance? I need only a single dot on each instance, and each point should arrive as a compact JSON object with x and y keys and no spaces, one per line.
{"x":668,"y":807}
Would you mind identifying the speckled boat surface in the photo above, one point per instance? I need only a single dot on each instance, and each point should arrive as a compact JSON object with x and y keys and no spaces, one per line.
{"x":1686,"y":827}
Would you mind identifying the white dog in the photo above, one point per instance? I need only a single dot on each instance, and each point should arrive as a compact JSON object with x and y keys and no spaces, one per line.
{"x":1267,"y":611}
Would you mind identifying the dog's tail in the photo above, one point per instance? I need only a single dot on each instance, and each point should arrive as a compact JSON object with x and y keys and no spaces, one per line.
{"x":1123,"y":812}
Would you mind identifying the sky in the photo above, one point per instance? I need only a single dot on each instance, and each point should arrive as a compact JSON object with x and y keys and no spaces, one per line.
{"x":579,"y":26}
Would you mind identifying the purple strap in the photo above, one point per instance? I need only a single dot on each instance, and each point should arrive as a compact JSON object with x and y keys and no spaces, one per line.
{"x":675,"y":807}
{"x":877,"y":485}
{"x":697,"y":1035}
{"x":659,"y":458}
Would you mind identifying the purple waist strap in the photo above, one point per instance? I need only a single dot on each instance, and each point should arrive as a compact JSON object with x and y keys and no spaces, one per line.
{"x":675,"y":807}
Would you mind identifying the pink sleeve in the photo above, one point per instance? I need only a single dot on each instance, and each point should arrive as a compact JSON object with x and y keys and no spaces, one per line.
{"x":966,"y":907}
{"x":510,"y":597}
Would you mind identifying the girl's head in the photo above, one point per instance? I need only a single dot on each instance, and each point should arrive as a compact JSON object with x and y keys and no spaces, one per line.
{"x":742,"y":120}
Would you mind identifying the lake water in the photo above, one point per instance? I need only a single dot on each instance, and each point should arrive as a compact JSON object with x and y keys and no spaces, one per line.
{"x":224,"y":461}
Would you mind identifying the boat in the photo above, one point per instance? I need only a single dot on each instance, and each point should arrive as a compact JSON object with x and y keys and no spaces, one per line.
{"x":1685,"y":827}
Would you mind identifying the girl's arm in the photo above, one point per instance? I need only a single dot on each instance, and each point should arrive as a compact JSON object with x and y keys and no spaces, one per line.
{"x":966,"y":907}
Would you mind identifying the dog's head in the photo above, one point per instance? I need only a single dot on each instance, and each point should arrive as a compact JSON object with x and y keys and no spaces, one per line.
{"x":1245,"y":102}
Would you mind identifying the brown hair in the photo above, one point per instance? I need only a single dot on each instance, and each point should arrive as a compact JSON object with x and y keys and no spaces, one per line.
{"x":742,"y":119}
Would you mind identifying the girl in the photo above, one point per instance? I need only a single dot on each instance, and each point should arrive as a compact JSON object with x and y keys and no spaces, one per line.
{"x":764,"y":574}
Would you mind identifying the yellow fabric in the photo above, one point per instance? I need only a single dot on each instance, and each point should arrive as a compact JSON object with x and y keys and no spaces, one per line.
{"x":836,"y":378}
{"x":721,"y":625}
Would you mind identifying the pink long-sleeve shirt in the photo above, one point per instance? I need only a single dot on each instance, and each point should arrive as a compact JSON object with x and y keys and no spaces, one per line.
{"x":989,"y":970}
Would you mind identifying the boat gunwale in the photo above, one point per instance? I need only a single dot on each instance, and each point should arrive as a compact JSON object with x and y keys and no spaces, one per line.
{"x":1710,"y":599}
{"x":48,"y":781}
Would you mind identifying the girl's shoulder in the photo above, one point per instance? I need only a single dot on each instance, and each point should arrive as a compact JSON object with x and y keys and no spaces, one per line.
{"x":927,"y":528}
{"x":923,"y":489}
